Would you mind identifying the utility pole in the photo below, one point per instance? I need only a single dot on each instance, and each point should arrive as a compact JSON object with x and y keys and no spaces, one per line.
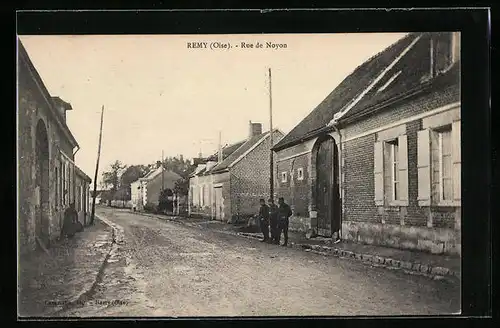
{"x":162,"y":184}
{"x":271,"y":166}
{"x":219,"y":157}
{"x":97,"y":168}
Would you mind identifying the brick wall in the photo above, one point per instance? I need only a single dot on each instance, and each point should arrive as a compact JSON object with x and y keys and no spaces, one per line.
{"x":359,"y":180}
{"x":296,"y":193}
{"x":250,"y":180}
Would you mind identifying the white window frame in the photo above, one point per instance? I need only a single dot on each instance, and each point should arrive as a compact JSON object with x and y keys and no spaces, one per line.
{"x":283,"y":177}
{"x":394,"y":167}
{"x":440,"y":133}
{"x":300,"y":173}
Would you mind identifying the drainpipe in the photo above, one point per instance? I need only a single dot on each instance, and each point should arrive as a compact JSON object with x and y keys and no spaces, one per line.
{"x":334,"y":124}
{"x":77,"y":149}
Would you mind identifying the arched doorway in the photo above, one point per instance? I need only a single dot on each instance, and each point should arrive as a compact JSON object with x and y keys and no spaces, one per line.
{"x":327,"y":195}
{"x":42,"y":183}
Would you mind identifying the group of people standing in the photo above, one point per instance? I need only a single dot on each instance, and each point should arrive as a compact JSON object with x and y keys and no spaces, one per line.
{"x":275,"y":219}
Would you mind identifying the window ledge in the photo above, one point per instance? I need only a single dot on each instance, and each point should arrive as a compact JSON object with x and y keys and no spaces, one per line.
{"x":398,"y":203}
{"x":448,"y":204}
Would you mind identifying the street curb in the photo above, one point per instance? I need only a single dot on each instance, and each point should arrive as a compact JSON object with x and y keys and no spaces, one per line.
{"x":435,"y":272}
{"x":89,"y":287}
{"x":413,"y":268}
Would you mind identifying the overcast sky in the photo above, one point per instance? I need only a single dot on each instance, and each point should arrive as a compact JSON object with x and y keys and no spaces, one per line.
{"x":158,"y":94}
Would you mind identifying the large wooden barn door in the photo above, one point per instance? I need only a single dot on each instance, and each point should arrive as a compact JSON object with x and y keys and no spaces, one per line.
{"x":327,"y":199}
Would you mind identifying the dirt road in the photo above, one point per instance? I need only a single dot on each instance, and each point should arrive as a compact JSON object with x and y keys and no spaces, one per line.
{"x":166,"y":269}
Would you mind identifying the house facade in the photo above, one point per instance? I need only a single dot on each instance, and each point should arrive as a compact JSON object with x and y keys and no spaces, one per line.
{"x":82,"y":191}
{"x":378,"y":161}
{"x":228,"y":187}
{"x":146,"y":191}
{"x":46,"y":152}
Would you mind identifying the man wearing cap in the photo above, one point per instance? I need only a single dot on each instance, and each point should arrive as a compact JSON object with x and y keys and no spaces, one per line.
{"x":264,"y":220}
{"x":273,"y":218}
{"x":284,"y":213}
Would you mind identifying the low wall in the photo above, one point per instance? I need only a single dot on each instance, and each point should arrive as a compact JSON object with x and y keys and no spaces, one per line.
{"x":433,"y":240}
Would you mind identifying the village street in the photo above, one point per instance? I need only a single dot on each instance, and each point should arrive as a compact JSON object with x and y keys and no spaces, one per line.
{"x":168,"y":269}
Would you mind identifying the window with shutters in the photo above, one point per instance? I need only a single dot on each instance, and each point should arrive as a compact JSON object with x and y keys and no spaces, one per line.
{"x":442,"y":182}
{"x":394,"y":168}
{"x":57,"y":185}
{"x":439,"y":166}
{"x":391,"y":172}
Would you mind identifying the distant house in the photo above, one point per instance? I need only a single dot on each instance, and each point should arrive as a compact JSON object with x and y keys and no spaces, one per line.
{"x":146,"y":190}
{"x":98,"y":198}
{"x":379,"y":158}
{"x":228,"y":187}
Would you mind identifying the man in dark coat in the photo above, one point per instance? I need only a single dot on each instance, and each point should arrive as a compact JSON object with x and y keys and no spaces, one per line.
{"x":273,"y":221}
{"x":264,"y":220}
{"x":284,"y":213}
{"x":69,"y":223}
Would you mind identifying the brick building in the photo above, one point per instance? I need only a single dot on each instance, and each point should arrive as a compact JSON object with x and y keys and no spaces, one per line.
{"x":228,"y":187}
{"x":46,"y":153}
{"x":378,"y":161}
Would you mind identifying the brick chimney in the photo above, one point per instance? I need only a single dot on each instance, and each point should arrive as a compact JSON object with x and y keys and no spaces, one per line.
{"x":255,"y":129}
{"x":61,"y":106}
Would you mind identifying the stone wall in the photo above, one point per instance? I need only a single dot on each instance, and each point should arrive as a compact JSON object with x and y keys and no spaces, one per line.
{"x":33,"y":107}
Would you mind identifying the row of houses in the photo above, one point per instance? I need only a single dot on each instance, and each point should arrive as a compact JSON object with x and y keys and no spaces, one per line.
{"x":227,"y":186}
{"x":377,"y":161}
{"x":48,"y":178}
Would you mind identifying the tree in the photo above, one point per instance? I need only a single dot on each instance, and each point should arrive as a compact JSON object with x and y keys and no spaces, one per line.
{"x":111,"y":178}
{"x":178,"y":165}
{"x":133,"y":173}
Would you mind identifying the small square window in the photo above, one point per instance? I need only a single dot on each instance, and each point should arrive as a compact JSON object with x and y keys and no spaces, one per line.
{"x":283,"y":177}
{"x":300,"y":173}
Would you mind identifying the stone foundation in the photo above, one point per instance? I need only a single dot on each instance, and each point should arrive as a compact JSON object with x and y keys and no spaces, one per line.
{"x":433,"y":240}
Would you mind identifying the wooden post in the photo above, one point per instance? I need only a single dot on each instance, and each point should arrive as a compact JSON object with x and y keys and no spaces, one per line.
{"x":97,"y":169}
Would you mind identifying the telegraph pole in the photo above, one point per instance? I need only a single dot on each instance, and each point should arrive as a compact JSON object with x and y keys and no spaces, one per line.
{"x":162,"y":164}
{"x":97,"y":168}
{"x":271,"y":166}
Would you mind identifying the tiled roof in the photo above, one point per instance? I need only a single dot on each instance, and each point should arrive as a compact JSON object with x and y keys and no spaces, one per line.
{"x":348,"y":89}
{"x":82,"y":174}
{"x":166,"y":173}
{"x":226,"y":151}
{"x":246,"y":145}
{"x":25,"y":58}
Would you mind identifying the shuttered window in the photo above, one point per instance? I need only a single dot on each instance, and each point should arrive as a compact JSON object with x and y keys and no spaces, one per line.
{"x":391,"y":172}
{"x":439,"y":166}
